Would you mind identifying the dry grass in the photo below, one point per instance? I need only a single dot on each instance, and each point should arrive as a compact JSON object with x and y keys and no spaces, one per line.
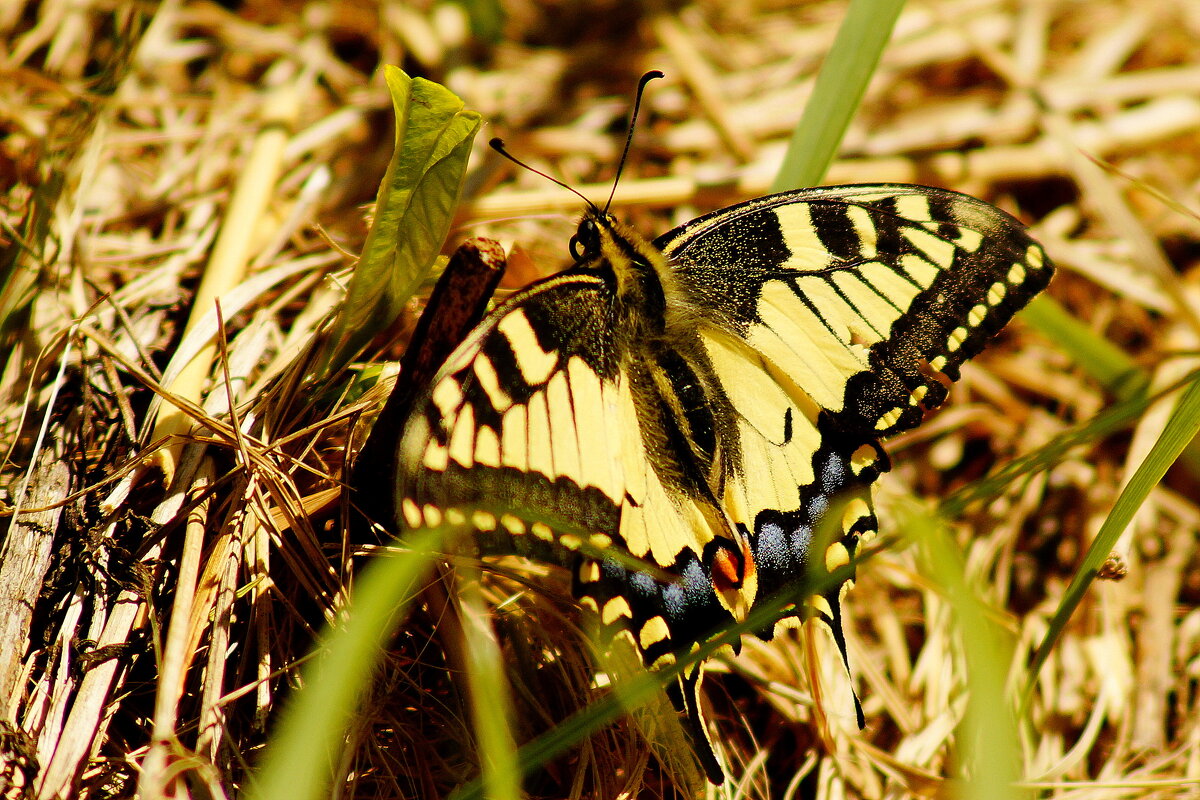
{"x":150,"y":628}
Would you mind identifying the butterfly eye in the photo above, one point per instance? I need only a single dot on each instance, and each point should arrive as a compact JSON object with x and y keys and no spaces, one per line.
{"x":586,"y":240}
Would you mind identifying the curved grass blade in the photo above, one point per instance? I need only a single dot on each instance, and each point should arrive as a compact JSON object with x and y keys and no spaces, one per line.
{"x":1110,"y":365}
{"x":1117,"y":417}
{"x":1103,"y":360}
{"x":299,"y":760}
{"x":839,"y":89}
{"x":989,"y":752}
{"x":490,"y":696}
{"x":1179,"y":431}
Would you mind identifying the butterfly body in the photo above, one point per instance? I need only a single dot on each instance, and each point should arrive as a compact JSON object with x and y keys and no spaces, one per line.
{"x":695,"y":421}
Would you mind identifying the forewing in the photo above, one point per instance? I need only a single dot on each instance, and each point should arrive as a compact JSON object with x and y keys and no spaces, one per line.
{"x":532,"y":426}
{"x":867,"y":297}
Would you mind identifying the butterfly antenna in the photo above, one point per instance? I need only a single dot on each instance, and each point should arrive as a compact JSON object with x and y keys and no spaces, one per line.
{"x":497,"y":144}
{"x":637,"y":104}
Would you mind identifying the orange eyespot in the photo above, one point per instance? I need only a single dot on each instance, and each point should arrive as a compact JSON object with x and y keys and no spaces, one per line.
{"x":726,"y":570}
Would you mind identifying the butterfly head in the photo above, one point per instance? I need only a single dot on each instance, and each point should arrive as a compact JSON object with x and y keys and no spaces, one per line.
{"x":640,"y":273}
{"x":601,"y":242}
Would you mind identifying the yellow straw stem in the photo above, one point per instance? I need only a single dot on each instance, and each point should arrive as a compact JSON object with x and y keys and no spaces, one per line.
{"x":227,"y":266}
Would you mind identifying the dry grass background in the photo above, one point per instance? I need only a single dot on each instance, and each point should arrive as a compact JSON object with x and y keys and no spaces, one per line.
{"x":148,"y":631}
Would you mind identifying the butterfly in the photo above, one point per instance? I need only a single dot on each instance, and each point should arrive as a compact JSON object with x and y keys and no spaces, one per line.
{"x":685,"y":418}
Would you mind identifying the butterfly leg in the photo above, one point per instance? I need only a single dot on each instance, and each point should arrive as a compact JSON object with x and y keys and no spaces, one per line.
{"x":685,"y":696}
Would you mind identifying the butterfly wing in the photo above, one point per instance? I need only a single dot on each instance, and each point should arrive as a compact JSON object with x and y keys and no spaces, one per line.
{"x":535,"y":424}
{"x":535,"y":428}
{"x":836,"y":317}
{"x":868,"y":297}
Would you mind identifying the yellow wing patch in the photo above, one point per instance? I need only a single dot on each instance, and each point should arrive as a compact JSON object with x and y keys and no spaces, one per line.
{"x":655,"y":524}
{"x":777,"y":434}
{"x":801,"y":346}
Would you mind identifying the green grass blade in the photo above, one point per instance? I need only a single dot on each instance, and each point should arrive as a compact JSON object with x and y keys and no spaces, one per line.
{"x":413,"y":211}
{"x":1117,"y":372}
{"x":299,"y":760}
{"x":490,"y":698}
{"x":989,"y":751}
{"x":1180,"y":430}
{"x":1120,"y":416}
{"x":839,"y":89}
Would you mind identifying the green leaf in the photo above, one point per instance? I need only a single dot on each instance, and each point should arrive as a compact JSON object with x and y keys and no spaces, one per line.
{"x":839,"y":89}
{"x":413,"y":211}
